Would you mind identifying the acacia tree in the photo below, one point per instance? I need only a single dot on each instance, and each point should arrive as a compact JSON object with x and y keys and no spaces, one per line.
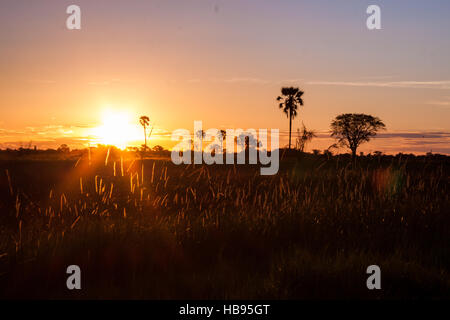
{"x":352,"y":129}
{"x":290,"y":99}
{"x":145,"y":121}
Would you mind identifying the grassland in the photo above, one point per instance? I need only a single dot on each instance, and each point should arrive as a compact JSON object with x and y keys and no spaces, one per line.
{"x":150,"y":229}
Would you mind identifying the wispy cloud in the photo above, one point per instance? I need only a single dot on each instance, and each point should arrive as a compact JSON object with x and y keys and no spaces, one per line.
{"x":393,"y":142}
{"x":445,"y":103}
{"x":39,"y":133}
{"x":53,"y":136}
{"x":443,"y":85}
{"x":291,"y":80}
{"x":246,"y":80}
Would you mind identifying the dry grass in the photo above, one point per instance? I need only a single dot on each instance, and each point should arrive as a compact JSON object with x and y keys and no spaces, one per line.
{"x":154,"y":230}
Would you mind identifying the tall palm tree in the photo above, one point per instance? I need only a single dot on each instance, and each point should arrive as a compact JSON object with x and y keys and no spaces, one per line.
{"x":145,"y":121}
{"x":290,"y":99}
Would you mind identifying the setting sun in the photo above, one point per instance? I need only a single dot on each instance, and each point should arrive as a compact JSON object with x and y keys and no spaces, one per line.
{"x":117,"y":129}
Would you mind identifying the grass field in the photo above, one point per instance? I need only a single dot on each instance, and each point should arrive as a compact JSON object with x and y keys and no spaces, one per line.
{"x":150,"y":229}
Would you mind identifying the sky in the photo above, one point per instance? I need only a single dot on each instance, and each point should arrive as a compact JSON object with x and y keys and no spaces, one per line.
{"x":223,"y":62}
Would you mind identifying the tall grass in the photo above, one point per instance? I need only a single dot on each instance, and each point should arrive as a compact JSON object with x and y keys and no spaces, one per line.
{"x":149,"y":229}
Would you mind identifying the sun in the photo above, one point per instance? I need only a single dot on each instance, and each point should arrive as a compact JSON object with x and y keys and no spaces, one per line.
{"x":117,"y":129}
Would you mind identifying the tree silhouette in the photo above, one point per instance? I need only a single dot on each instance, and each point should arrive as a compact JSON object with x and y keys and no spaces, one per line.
{"x":290,"y":99}
{"x":158,"y":148}
{"x":145,"y":121}
{"x":223,"y":135}
{"x":352,"y":129}
{"x":64,"y":148}
{"x":303,"y":137}
{"x":200,"y":134}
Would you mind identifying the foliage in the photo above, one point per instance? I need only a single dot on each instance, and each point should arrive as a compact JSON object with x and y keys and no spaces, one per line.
{"x":352,"y":129}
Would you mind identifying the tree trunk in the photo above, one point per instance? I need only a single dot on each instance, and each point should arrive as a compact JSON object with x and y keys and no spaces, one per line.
{"x":290,"y":128}
{"x":145,"y":139}
{"x":353,"y":153}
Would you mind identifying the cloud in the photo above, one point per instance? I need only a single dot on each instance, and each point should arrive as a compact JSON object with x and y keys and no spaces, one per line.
{"x":442,"y":85}
{"x":376,"y":77}
{"x":389,"y":142}
{"x":73,"y":142}
{"x":441,"y":103}
{"x":247,"y":80}
{"x":404,"y":135}
{"x":291,"y":80}
{"x":40,"y":133}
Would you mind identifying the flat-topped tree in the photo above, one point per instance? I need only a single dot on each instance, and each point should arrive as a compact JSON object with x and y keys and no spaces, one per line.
{"x":352,"y":129}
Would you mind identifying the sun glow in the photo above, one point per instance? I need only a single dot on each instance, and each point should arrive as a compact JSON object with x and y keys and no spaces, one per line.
{"x":118,"y":129}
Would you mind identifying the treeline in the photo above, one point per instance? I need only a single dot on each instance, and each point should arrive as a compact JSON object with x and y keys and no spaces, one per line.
{"x":65,"y":153}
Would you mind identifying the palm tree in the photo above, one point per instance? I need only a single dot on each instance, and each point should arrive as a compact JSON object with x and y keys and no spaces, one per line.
{"x":290,"y":99}
{"x":145,"y":121}
{"x":200,"y":134}
{"x":223,"y":135}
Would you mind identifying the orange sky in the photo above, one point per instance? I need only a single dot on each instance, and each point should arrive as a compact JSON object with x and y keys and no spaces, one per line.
{"x":223,"y":62}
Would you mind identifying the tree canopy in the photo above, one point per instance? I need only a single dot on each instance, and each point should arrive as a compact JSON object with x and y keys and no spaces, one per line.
{"x":353,"y":129}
